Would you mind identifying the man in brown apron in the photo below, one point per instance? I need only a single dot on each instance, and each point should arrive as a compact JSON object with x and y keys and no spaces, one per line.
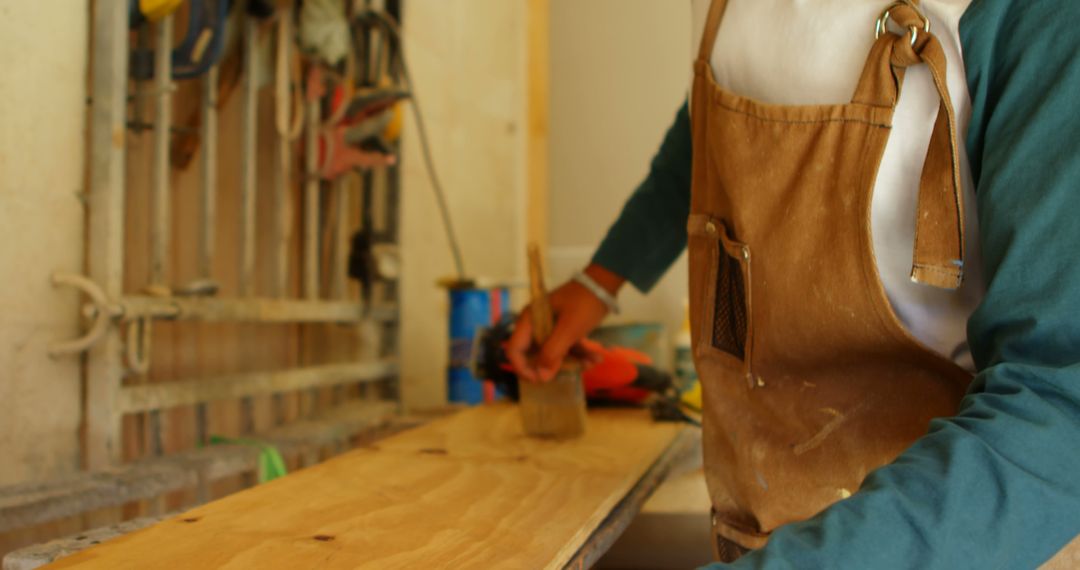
{"x":810,"y":380}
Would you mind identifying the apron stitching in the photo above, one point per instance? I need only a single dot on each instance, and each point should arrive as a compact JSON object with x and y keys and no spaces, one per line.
{"x":802,"y":122}
{"x":936,"y":269}
{"x":950,"y":117}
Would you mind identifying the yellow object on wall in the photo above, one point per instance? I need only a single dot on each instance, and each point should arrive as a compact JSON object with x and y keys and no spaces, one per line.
{"x":393,"y":128}
{"x":155,"y":10}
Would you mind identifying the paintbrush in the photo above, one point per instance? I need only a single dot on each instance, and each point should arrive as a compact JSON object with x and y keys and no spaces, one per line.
{"x":555,"y":408}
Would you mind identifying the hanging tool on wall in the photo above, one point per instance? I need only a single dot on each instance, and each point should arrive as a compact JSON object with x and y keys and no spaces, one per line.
{"x":323,"y":30}
{"x":362,"y":122}
{"x":228,"y":57}
{"x":140,"y":11}
{"x":362,"y":118}
{"x":288,"y":83}
{"x":374,"y":113}
{"x":202,"y":45}
{"x":370,"y":261}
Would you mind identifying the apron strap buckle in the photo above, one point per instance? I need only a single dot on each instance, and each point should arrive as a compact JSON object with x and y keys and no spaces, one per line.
{"x":882,"y":24}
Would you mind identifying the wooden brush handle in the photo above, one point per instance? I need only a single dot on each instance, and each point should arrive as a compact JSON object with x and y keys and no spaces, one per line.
{"x":542,"y":319}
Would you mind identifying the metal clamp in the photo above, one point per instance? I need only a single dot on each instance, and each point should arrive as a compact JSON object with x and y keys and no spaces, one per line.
{"x":103,"y":312}
{"x":881,"y":27}
{"x":102,"y":315}
{"x":137,"y":345}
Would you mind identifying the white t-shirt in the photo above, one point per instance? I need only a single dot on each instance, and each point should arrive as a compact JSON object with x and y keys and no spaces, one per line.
{"x":806,"y":52}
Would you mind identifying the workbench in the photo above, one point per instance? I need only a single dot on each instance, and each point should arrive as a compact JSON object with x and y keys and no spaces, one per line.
{"x":466,"y":491}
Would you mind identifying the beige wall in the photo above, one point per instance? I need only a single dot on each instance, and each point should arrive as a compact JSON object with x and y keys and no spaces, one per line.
{"x":468,"y":62}
{"x":619,"y":70}
{"x":42,"y":116}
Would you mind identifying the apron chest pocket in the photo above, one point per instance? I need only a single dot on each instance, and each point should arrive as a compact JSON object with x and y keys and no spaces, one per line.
{"x":720,"y":279}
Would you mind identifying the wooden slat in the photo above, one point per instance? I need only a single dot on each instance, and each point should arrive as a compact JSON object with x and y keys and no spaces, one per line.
{"x":160,"y":187}
{"x":468,"y":491}
{"x":310,"y":272}
{"x":162,"y":395}
{"x":105,"y":219}
{"x":260,"y":310}
{"x":249,"y":128}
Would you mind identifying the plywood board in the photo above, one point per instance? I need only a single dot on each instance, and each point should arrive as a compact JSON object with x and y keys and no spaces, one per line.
{"x":467,"y":491}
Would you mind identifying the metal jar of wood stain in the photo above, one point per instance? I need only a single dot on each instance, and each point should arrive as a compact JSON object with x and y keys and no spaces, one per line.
{"x":470,"y":310}
{"x":555,"y":409}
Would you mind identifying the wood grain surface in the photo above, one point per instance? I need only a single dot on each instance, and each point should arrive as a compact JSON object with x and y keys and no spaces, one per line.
{"x":467,"y":491}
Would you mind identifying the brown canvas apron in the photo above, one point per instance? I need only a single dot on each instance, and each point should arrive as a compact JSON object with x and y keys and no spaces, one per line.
{"x":809,"y":379}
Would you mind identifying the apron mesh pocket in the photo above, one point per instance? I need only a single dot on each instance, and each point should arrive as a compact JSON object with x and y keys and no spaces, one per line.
{"x":729,"y":313}
{"x":728,"y":551}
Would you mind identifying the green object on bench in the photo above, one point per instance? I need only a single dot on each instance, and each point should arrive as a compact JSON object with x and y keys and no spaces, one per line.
{"x":270,"y":464}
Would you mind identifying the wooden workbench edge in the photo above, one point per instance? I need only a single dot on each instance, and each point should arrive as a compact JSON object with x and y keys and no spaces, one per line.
{"x":616,"y":522}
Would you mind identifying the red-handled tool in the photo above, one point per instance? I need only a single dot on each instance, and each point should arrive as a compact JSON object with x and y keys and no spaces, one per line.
{"x":616,"y":375}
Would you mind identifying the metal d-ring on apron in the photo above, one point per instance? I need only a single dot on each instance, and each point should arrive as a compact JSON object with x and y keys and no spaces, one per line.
{"x":809,"y":380}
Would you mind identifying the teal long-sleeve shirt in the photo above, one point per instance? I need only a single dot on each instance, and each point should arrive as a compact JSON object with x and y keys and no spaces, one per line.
{"x":998,"y":485}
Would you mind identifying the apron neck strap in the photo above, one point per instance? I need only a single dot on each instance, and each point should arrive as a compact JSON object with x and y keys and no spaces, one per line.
{"x":938,"y":259}
{"x":712,"y":26}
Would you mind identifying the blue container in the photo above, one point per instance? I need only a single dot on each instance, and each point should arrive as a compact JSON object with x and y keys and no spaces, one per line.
{"x":470,"y":311}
